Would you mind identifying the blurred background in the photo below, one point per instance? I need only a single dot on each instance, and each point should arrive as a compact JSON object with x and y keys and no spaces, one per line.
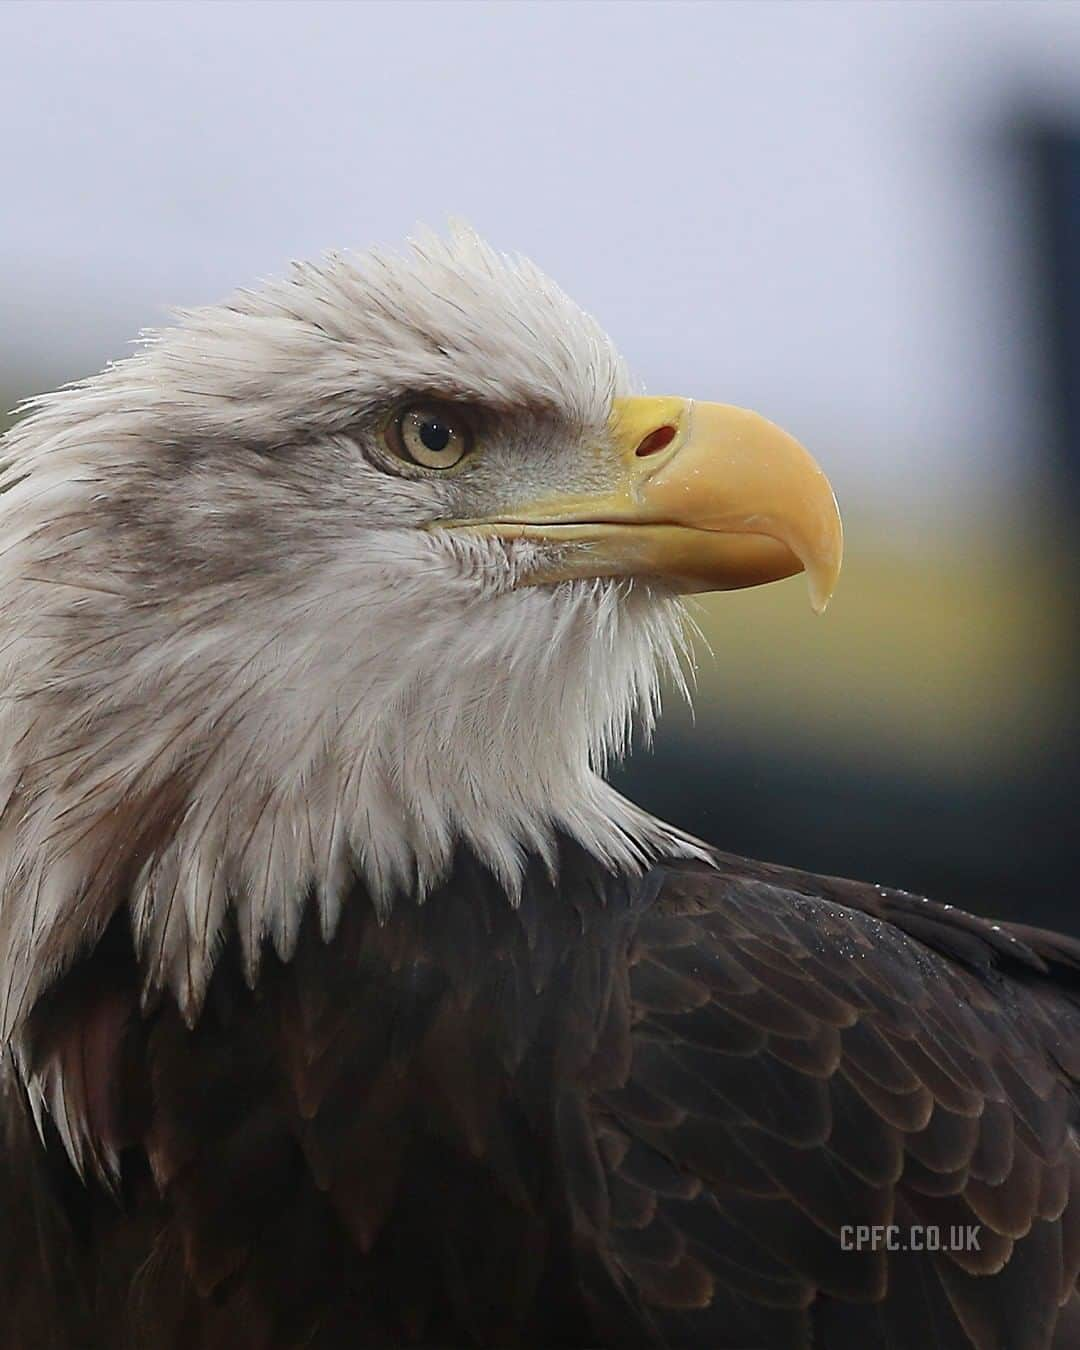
{"x":861,"y":219}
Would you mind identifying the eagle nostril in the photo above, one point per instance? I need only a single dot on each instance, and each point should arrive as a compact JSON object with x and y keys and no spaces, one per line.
{"x":654,"y":441}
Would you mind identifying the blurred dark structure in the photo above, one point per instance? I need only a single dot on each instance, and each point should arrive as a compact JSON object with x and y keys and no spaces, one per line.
{"x":1057,"y":163}
{"x":1057,"y":187}
{"x":1007,"y":845}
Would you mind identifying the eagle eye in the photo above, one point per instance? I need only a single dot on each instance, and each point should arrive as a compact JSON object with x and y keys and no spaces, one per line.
{"x":430,"y":434}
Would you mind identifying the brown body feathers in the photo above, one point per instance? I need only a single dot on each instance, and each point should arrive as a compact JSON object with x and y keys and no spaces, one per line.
{"x":625,"y":1113}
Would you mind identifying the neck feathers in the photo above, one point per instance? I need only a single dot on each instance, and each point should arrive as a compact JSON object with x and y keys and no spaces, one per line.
{"x":262,"y":752}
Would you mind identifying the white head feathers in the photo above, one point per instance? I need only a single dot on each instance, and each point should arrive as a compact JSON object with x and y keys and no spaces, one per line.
{"x":236,"y":673}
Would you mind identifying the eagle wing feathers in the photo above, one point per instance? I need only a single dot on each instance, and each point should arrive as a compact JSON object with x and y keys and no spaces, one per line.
{"x":824,"y":1059}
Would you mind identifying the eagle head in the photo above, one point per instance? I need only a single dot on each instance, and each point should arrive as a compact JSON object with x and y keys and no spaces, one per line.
{"x":327,"y":580}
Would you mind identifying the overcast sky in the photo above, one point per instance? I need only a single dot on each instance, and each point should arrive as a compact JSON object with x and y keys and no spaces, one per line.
{"x":807,"y":208}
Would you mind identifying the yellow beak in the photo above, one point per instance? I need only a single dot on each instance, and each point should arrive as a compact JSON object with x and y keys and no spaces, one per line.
{"x":708,"y":497}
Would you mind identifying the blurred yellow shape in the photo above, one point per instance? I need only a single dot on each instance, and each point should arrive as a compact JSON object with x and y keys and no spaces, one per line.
{"x":950,"y":659}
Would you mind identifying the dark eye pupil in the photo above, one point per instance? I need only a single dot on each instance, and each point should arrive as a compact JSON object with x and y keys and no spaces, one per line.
{"x":435,"y":435}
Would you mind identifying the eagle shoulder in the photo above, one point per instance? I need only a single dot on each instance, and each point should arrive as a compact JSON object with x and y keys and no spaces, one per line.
{"x":822,"y":1071}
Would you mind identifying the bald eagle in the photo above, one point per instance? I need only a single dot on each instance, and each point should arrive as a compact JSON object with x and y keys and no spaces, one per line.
{"x":342,"y":1001}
